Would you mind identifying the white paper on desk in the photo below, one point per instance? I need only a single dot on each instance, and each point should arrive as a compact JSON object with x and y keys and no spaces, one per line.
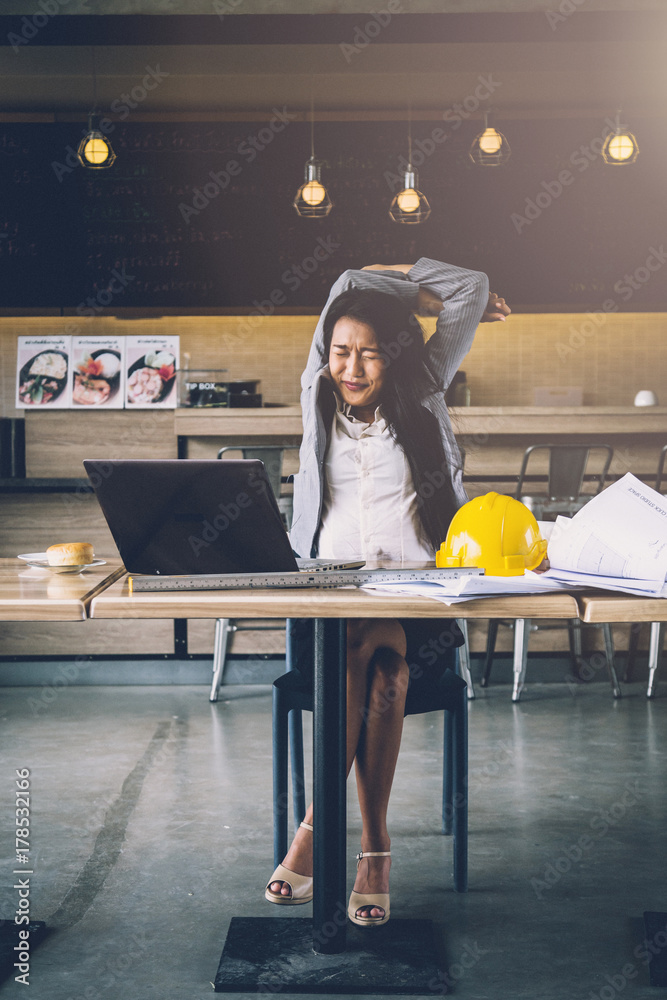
{"x":470,"y":588}
{"x":620,"y":533}
{"x":643,"y":588}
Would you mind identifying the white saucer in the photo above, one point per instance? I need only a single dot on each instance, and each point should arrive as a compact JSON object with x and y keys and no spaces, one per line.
{"x":39,"y":561}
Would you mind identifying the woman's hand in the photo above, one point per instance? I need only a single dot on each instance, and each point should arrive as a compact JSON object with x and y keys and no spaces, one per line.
{"x":388,"y":267}
{"x":496,"y":309}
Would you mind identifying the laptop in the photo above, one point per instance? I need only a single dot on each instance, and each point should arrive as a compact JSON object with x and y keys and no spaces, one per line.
{"x":191,"y":517}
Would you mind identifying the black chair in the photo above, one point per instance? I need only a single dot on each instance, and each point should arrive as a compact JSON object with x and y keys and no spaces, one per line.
{"x":568,"y":464}
{"x":272,"y":456}
{"x":292,"y":693}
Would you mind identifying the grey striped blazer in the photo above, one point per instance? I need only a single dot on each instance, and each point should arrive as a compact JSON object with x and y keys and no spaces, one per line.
{"x":464,"y":295}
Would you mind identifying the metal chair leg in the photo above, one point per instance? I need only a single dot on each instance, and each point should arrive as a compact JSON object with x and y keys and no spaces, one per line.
{"x":491,"y":637}
{"x":521,"y":631}
{"x":460,"y":789}
{"x":448,"y":775}
{"x":295,"y":726}
{"x":633,"y":647}
{"x":223,"y":626}
{"x":280,"y":747}
{"x":576,"y":645}
{"x":610,"y":656}
{"x":464,"y":659}
{"x":654,"y":649}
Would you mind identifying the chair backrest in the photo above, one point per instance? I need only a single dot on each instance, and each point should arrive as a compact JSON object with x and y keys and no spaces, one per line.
{"x":567,"y":468}
{"x":661,"y":468}
{"x":272,"y":457}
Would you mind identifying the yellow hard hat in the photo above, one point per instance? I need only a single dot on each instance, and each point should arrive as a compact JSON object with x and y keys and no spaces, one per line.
{"x":496,"y":533}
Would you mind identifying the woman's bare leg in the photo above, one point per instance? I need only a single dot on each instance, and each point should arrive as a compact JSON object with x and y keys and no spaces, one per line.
{"x":377,"y":677}
{"x":375,"y":760}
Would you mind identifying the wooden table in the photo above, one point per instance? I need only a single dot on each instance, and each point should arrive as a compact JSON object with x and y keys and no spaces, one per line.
{"x":116,"y":601}
{"x":330,"y":609}
{"x":28,"y":594}
{"x":604,"y":607}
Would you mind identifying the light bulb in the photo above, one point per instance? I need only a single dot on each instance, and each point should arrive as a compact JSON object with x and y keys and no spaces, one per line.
{"x":96,"y":149}
{"x":313,"y":193}
{"x":490,"y":141}
{"x":408,"y":200}
{"x":621,"y":147}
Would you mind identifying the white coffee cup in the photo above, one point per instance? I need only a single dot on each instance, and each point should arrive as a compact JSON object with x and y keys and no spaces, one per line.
{"x":646,"y":397}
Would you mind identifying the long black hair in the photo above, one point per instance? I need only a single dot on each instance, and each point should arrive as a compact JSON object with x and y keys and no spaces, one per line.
{"x":407,"y":382}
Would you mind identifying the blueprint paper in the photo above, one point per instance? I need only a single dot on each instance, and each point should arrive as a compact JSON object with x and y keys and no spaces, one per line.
{"x":621,"y":533}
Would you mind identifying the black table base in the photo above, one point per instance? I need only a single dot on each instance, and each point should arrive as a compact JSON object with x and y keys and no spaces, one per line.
{"x":275,"y":955}
{"x":10,"y":939}
{"x":655,"y":941}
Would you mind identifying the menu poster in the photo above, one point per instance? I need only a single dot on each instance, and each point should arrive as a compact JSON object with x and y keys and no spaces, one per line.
{"x":98,"y":364}
{"x":42,"y":373}
{"x":151,"y":366}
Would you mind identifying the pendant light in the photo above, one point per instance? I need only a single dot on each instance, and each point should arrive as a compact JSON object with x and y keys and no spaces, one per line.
{"x":95,"y":151}
{"x":490,"y":148}
{"x":312,"y":200}
{"x":620,"y":146}
{"x":409,"y":206}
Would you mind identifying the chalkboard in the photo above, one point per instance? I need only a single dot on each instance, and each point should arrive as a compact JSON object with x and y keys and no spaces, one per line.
{"x":200,"y":214}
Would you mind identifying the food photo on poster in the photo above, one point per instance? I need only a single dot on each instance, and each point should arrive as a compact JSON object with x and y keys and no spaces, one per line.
{"x":152,"y":363}
{"x":97,"y":371}
{"x":42,"y":372}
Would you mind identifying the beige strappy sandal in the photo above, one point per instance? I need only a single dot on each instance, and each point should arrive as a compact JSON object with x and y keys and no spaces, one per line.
{"x":301,"y":886}
{"x":359,"y":900}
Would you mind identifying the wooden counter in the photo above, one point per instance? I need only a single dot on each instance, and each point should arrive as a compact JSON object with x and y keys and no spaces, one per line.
{"x":467,"y":420}
{"x":238,"y":423}
{"x":494,"y":438}
{"x":534,"y":421}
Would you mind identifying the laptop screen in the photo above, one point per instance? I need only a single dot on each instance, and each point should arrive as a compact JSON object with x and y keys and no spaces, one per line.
{"x":185,"y":516}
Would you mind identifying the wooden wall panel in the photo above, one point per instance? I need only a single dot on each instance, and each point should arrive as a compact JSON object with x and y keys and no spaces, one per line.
{"x":57,"y":442}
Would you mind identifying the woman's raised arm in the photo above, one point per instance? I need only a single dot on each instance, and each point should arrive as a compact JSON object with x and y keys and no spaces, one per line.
{"x":465,"y":297}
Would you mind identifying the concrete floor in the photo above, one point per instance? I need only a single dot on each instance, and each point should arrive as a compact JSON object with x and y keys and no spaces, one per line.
{"x":151,"y":828}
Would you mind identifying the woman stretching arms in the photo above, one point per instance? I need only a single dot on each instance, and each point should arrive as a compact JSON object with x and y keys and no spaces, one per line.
{"x":380,"y":479}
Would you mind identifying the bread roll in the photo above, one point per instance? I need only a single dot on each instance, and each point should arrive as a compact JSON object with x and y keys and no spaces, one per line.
{"x":70,"y":554}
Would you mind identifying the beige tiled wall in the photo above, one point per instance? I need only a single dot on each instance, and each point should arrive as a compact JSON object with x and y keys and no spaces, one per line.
{"x":610,"y":357}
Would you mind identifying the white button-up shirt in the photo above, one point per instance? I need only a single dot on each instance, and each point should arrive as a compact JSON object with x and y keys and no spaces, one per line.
{"x":370,"y":505}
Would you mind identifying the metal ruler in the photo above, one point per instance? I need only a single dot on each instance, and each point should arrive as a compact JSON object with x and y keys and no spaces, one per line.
{"x":323,"y":579}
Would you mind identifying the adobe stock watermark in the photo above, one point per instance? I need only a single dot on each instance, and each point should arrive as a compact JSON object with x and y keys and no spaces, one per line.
{"x":365,"y":34}
{"x":586,"y":671}
{"x":292,"y":278}
{"x":66,"y":675}
{"x":551,"y":190}
{"x":32,"y":24}
{"x":95,"y":304}
{"x":566,"y":8}
{"x":643,"y":953}
{"x":425,"y":147}
{"x":224,"y":7}
{"x":428,"y":654}
{"x":625,"y":288}
{"x":228,"y":514}
{"x":123,"y":107}
{"x":249,"y":148}
{"x":600,"y":824}
{"x":467,"y":960}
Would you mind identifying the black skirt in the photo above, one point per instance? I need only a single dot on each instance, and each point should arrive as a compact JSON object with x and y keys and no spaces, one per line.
{"x":431,"y":656}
